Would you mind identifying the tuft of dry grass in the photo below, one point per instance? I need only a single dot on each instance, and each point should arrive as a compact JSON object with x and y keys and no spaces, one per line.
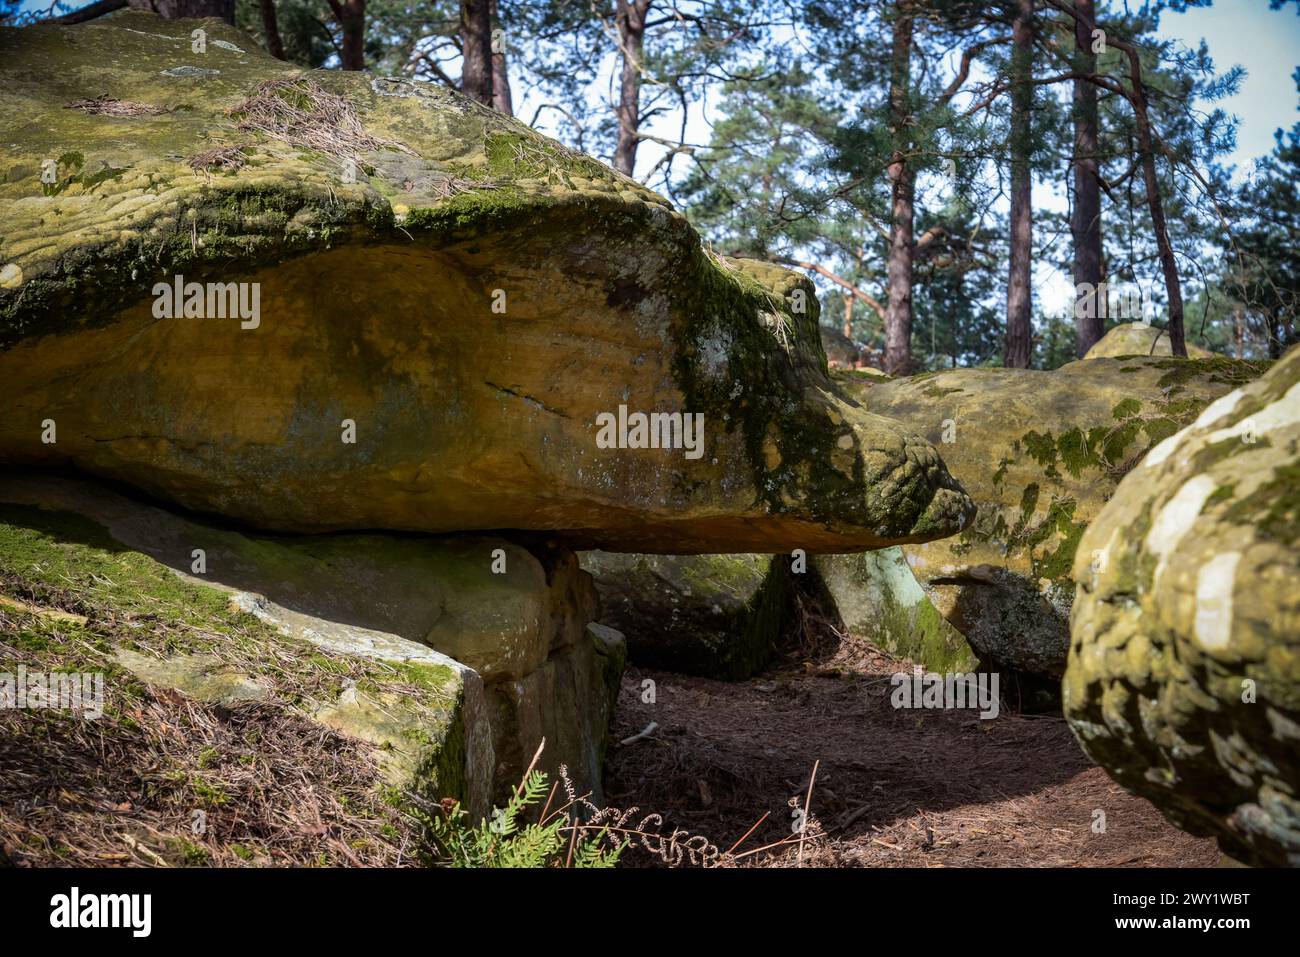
{"x":224,"y":158}
{"x":301,"y":112}
{"x":175,"y":782}
{"x":109,"y":106}
{"x":449,"y":186}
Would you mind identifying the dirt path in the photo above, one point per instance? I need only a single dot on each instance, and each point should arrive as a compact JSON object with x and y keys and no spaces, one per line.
{"x":893,"y":787}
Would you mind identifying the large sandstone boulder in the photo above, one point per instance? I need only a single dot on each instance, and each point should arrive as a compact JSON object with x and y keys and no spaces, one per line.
{"x":1139,"y":339}
{"x":1184,"y":668}
{"x":719,"y":616}
{"x":506,"y":625}
{"x":456,"y":318}
{"x":1040,"y":453}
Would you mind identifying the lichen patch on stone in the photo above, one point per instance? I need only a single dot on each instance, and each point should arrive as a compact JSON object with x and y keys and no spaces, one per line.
{"x":1215,"y":583}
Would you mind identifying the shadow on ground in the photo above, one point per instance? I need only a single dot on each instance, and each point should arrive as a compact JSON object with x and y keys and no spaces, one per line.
{"x":893,"y":787}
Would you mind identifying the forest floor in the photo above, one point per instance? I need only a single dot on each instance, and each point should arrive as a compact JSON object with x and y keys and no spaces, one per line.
{"x":893,"y":788}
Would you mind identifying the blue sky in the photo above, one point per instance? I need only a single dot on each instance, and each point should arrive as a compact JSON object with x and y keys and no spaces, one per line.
{"x":1265,"y":42}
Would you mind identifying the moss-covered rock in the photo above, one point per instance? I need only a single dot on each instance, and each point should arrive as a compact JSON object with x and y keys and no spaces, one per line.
{"x":876,"y":595}
{"x":422,"y":750}
{"x":1184,"y":666}
{"x":496,"y":631}
{"x":1139,"y":339}
{"x":205,"y":677}
{"x":1040,"y":453}
{"x":722,"y":616}
{"x":147,"y":625}
{"x":468,"y":307}
{"x":719,"y":616}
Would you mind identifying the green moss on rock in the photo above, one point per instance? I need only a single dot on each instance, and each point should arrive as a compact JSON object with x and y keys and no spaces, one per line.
{"x":1006,"y":580}
{"x":877,"y":597}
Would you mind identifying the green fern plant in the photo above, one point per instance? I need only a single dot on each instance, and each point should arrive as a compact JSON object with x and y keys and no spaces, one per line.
{"x":575,"y":833}
{"x":508,"y":839}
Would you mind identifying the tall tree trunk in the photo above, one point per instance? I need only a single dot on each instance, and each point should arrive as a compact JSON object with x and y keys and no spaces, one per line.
{"x":630,"y":18}
{"x":1137,"y":97}
{"x":188,"y":9}
{"x":502,"y":100}
{"x":1019,"y":293}
{"x":351,"y":15}
{"x":848,"y":315}
{"x":271,"y":28}
{"x":1168,"y":265}
{"x":1089,"y":317}
{"x":902,"y":179}
{"x":476,"y":50}
{"x":1238,"y":331}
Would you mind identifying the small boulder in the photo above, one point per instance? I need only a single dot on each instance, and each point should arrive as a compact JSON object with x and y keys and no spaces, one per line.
{"x":843,"y":352}
{"x":875,"y":595}
{"x":1139,"y":339}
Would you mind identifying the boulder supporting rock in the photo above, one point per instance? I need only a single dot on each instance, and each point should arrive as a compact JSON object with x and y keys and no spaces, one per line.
{"x":876,"y":596}
{"x":719,"y":616}
{"x":504,"y":627}
{"x":723,"y":616}
{"x":1184,"y":666}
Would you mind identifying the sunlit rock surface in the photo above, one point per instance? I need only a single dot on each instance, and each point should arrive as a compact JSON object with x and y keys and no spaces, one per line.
{"x":447,"y":304}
